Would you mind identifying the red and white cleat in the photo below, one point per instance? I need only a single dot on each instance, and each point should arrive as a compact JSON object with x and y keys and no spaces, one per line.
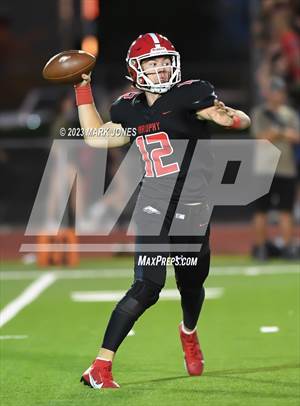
{"x":193,"y":357}
{"x":99,"y":375}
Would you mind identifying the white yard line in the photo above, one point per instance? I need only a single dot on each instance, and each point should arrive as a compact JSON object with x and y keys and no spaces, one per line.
{"x":15,"y":337}
{"x":69,"y":274}
{"x":47,"y":278}
{"x":114,"y":295}
{"x":269,"y":329}
{"x":20,"y":275}
{"x":26,"y":297}
{"x":257,"y":270}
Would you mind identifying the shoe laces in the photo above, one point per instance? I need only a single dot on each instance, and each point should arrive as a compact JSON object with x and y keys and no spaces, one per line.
{"x":104,"y":372}
{"x":192,"y":346}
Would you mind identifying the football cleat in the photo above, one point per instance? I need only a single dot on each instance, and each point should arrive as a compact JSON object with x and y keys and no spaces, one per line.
{"x":99,"y":375}
{"x":193,"y":357}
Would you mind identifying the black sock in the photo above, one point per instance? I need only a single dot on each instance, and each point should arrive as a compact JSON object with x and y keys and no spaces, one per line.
{"x":118,"y":327}
{"x":138,"y":298}
{"x":191,"y":303}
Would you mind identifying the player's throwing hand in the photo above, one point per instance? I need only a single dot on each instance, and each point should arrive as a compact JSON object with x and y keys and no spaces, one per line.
{"x":86,"y":79}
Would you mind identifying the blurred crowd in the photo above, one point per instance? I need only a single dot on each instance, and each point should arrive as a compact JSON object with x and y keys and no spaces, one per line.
{"x":276,"y":31}
{"x":275,"y":117}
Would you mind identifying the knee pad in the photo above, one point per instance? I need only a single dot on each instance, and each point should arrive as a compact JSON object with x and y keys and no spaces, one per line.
{"x":139,"y":297}
{"x":145,"y":292}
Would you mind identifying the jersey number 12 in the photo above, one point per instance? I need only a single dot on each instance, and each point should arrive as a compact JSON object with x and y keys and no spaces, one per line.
{"x":153,"y":163}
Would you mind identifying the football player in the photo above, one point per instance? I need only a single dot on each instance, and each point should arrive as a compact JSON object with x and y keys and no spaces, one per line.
{"x":163,"y":110}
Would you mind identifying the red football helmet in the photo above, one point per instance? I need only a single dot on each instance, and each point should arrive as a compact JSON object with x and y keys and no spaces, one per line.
{"x":151,"y":46}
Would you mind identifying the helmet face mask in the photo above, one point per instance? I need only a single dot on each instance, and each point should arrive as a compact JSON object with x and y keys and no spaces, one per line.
{"x":143,"y":49}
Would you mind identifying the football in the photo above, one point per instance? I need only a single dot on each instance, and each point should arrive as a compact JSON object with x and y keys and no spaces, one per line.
{"x":68,"y":66}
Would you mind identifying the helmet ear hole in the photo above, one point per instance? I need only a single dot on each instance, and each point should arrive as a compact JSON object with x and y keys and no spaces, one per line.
{"x":141,"y":81}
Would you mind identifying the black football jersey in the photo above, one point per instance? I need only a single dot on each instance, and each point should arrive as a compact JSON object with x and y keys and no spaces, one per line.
{"x":165,"y":137}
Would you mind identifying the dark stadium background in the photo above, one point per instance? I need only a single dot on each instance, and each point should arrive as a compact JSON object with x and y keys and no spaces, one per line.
{"x":214,"y":39}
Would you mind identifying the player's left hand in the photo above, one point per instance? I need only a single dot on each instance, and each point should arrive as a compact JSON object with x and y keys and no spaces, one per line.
{"x":222,"y":108}
{"x":221,"y":114}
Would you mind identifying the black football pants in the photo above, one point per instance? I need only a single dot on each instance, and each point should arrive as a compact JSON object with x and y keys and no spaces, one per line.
{"x":152,"y":252}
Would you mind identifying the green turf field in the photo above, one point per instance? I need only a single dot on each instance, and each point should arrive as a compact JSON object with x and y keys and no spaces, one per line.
{"x":48,"y":343}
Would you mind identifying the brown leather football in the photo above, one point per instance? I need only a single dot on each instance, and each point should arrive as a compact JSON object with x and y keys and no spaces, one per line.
{"x":68,"y":66}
